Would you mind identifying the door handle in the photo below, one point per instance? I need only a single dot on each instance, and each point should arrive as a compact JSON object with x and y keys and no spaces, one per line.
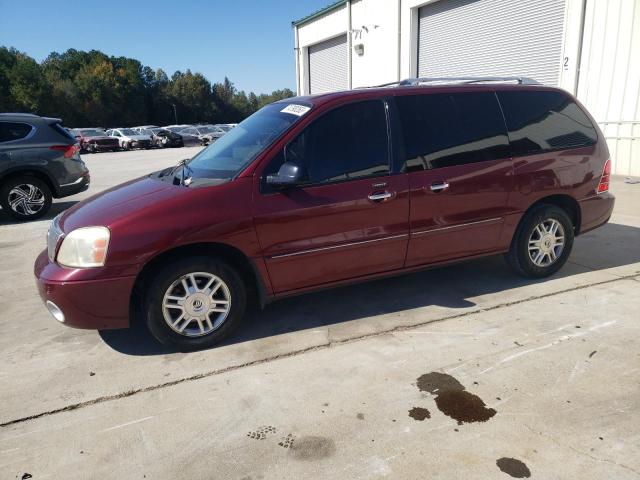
{"x":439,"y":186}
{"x":380,"y":196}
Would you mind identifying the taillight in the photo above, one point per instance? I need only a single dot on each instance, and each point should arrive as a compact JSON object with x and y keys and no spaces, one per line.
{"x":69,"y":150}
{"x":603,"y":186}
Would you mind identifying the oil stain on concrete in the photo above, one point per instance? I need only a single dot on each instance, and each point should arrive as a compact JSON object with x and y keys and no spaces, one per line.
{"x":453,"y":400}
{"x":514,"y":468}
{"x":419,"y":413}
{"x":311,"y":448}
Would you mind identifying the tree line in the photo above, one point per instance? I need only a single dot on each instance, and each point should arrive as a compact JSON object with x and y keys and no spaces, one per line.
{"x":87,"y":89}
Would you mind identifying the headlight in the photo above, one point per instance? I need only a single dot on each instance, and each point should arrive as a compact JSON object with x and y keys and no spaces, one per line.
{"x":84,"y":247}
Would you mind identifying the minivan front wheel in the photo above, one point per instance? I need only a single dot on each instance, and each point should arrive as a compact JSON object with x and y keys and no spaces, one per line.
{"x":25,"y":198}
{"x":542,"y":243}
{"x":195,"y":303}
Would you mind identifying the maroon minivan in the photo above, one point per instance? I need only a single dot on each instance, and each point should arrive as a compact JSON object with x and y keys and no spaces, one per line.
{"x":312,"y":192}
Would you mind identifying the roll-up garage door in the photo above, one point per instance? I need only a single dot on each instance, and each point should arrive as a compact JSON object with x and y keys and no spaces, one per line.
{"x":491,"y":38}
{"x":329,"y":65}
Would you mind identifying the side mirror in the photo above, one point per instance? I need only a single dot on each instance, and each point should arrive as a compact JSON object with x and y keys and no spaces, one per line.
{"x":291,"y":174}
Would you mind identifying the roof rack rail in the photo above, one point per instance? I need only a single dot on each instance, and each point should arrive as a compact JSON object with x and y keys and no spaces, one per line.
{"x":18,"y":114}
{"x":463,"y":80}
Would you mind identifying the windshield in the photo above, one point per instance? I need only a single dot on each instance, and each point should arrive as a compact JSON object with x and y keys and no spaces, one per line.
{"x":93,"y":133}
{"x":230,"y":154}
{"x":127,"y":131}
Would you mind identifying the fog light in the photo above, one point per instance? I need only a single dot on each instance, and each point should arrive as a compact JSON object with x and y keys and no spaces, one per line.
{"x":55,"y":311}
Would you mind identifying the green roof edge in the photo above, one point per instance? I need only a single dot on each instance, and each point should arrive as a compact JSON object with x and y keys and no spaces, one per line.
{"x":320,"y":12}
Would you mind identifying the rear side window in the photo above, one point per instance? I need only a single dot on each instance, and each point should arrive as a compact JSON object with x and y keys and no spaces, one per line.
{"x":545,"y":121}
{"x":63,"y":131}
{"x":347,"y":143}
{"x":13,"y":131}
{"x":443,"y":130}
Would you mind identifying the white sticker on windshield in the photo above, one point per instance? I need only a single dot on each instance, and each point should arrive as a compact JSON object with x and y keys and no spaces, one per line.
{"x":294,"y":109}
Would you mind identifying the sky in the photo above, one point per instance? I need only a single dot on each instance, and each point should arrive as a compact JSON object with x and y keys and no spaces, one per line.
{"x":249,"y":41}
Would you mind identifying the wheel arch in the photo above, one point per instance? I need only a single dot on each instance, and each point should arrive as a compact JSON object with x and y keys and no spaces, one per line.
{"x":565,"y":202}
{"x":34,"y":172}
{"x":245,"y":266}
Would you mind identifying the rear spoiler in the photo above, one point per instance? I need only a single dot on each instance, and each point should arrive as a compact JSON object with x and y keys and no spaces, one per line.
{"x":52,"y":121}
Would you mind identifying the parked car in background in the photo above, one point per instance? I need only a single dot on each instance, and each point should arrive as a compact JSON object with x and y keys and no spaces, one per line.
{"x":161,"y":137}
{"x":188,"y":139}
{"x":95,"y":140}
{"x":176,"y":128}
{"x":224,"y":126}
{"x":130,"y":139}
{"x":314,"y":192}
{"x":39,"y":160}
{"x":206,"y":133}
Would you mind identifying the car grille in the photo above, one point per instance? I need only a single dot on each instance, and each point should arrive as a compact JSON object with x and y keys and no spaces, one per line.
{"x":53,"y":237}
{"x":106,"y":141}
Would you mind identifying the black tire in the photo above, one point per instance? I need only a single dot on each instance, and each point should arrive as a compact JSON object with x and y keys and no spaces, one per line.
{"x":162,"y":281}
{"x":43,"y":197}
{"x":519,"y":257}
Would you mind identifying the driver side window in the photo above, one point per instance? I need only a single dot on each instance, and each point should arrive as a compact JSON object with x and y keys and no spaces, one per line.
{"x":347,"y":143}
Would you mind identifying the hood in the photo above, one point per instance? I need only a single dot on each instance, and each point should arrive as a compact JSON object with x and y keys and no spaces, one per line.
{"x":147,"y":215}
{"x":124,"y":201}
{"x":138,"y":137}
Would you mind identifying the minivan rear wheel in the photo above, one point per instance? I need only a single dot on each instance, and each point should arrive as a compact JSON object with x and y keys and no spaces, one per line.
{"x":542,"y":243}
{"x":25,"y":197}
{"x":195,"y":303}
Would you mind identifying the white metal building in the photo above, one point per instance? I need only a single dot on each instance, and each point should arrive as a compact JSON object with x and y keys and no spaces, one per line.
{"x":588,"y":47}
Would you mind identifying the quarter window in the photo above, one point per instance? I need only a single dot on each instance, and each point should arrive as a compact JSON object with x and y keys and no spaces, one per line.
{"x":347,"y":143}
{"x":443,"y":130}
{"x":10,"y":131}
{"x":541,"y":121}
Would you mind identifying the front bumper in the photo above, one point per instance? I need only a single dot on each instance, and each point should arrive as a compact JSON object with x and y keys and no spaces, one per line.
{"x":140,"y":144}
{"x":98,"y":304}
{"x":107,"y":147}
{"x":170,"y":142}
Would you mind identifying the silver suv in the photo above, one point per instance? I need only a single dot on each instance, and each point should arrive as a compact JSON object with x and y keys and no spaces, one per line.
{"x":39,"y":160}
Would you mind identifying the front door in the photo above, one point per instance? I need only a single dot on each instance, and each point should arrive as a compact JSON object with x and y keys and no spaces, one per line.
{"x":460,"y":174}
{"x":351,"y":218}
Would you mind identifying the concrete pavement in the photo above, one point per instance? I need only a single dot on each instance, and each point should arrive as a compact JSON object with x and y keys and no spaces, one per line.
{"x":135,"y":409}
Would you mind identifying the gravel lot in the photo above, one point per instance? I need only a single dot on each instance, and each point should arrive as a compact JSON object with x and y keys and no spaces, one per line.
{"x":341,"y":383}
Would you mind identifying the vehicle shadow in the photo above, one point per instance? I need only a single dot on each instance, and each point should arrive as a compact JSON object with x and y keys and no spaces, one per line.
{"x":56,"y":208}
{"x":450,"y":287}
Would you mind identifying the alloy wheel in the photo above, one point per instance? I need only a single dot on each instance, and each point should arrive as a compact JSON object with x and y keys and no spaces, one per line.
{"x":26,"y":199}
{"x":546,"y":242}
{"x":196,"y":304}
